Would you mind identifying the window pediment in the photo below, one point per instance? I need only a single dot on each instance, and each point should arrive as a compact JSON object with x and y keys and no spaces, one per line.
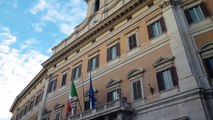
{"x":206,"y":47}
{"x":206,"y":50}
{"x":113,"y":82}
{"x":163,"y":60}
{"x":46,"y":111}
{"x":135,"y":72}
{"x":58,"y":106}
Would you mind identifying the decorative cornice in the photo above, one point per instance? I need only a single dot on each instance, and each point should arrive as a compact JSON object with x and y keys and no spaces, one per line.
{"x":39,"y":77}
{"x":170,"y":2}
{"x":100,"y":28}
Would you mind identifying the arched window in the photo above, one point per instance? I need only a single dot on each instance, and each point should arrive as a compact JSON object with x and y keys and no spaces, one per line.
{"x":206,"y":52}
{"x":97,"y":5}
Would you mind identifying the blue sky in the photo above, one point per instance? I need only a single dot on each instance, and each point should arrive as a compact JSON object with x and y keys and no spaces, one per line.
{"x":28,"y":31}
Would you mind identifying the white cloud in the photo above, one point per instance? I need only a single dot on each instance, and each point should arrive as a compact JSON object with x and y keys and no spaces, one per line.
{"x":28,"y":43}
{"x":38,"y":26}
{"x":66,"y":14}
{"x":40,"y":6}
{"x":16,"y":70}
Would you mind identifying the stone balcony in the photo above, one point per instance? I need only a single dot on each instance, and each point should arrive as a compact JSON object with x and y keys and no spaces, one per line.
{"x":112,"y":110}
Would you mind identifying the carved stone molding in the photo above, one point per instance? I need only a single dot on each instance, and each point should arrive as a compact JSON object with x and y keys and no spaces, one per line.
{"x":170,"y":2}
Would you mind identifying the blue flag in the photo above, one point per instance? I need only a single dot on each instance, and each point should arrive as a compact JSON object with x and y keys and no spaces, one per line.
{"x":91,"y":93}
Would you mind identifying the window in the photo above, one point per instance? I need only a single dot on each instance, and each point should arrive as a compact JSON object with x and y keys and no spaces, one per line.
{"x":64,"y":78}
{"x":97,"y":5}
{"x":73,"y":110}
{"x":113,"y":52}
{"x":113,"y":95}
{"x":157,"y":28}
{"x":87,"y":105}
{"x":58,"y":116}
{"x":167,"y":79}
{"x":52,"y":85}
{"x":196,"y":13}
{"x":25,"y":110}
{"x":137,"y":92}
{"x":31,"y":105}
{"x":209,"y":67}
{"x":76,"y":72}
{"x":132,"y":41}
{"x":37,"y":99}
{"x":93,"y":63}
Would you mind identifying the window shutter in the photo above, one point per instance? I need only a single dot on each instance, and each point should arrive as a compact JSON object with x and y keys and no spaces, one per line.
{"x":150,"y":31}
{"x":174,"y":76}
{"x":134,"y":91}
{"x":55,"y":82}
{"x":79,"y":73}
{"x":97,"y":61}
{"x":119,"y":92}
{"x":204,"y":9}
{"x":163,"y":25}
{"x":118,"y":49}
{"x":108,"y":54}
{"x":108,"y":97}
{"x":188,"y":16}
{"x":139,"y":89}
{"x":89,"y":65}
{"x":160,"y":81}
{"x":48,"y":90}
{"x":134,"y":41}
{"x":73,"y":72}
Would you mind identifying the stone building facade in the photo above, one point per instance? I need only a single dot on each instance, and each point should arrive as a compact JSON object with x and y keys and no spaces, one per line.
{"x":148,"y":59}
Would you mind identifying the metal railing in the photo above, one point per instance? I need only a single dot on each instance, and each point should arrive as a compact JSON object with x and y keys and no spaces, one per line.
{"x":119,"y":104}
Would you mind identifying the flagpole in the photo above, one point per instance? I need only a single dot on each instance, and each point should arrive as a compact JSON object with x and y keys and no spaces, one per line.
{"x":83,"y":89}
{"x":79,"y":105}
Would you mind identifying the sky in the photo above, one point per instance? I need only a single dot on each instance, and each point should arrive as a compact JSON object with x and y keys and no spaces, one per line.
{"x":28,"y":31}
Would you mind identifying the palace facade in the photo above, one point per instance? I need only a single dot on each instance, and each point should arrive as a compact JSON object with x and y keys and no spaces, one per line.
{"x":148,"y":59}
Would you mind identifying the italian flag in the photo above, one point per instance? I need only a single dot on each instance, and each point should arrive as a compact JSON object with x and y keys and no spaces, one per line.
{"x":72,"y":95}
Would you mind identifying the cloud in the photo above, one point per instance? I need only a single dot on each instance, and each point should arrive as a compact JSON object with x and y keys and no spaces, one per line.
{"x":38,"y":27}
{"x":40,"y":6}
{"x":65,"y":14}
{"x":17,"y":69}
{"x":28,"y":43}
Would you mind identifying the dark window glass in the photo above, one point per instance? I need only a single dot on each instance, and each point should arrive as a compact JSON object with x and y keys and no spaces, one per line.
{"x":31,"y":105}
{"x":97,"y":5}
{"x":58,"y":116}
{"x":37,"y":99}
{"x":209,"y":67}
{"x":132,"y":41}
{"x":64,"y":78}
{"x":137,"y":94}
{"x":87,"y":105}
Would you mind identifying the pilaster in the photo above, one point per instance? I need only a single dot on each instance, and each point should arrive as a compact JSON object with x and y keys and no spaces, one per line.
{"x":187,"y":79}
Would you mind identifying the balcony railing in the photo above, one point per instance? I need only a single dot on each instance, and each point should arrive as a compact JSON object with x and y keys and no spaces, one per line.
{"x":111,"y":107}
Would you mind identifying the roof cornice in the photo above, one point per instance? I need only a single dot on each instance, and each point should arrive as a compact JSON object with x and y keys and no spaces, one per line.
{"x":38,"y":78}
{"x":101,"y":27}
